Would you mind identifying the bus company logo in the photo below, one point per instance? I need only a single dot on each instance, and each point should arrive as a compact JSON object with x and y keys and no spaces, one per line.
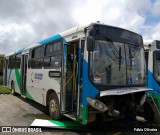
{"x":38,"y":76}
{"x":74,"y":36}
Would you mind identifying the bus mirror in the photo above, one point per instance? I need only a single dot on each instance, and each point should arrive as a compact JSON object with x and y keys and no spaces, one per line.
{"x":54,"y":73}
{"x":90,"y":43}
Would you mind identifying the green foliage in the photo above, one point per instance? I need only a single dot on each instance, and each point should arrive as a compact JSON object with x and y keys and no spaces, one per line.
{"x":4,"y":89}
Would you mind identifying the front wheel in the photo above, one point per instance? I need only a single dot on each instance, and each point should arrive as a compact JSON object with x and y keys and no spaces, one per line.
{"x":54,"y":107}
{"x":150,"y":111}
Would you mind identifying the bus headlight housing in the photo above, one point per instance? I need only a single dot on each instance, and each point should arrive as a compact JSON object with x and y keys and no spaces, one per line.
{"x":97,"y":104}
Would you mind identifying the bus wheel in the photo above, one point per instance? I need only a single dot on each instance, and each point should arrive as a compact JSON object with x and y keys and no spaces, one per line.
{"x":150,"y":111}
{"x":13,"y":89}
{"x":53,"y":106}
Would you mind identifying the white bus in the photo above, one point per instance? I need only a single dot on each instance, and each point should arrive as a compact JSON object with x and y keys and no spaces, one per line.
{"x":152,"y":54}
{"x":85,"y":73}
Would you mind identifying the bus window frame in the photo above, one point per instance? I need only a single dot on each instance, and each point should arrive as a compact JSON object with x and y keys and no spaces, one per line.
{"x":31,"y":58}
{"x":54,"y":53}
{"x":19,"y":61}
{"x":13,"y":62}
{"x":154,"y":54}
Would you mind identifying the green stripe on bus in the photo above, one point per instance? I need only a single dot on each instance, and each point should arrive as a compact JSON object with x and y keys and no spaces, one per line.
{"x":157,"y":98}
{"x":18,"y":78}
{"x":28,"y":95}
{"x":84,"y":115}
{"x":67,"y":124}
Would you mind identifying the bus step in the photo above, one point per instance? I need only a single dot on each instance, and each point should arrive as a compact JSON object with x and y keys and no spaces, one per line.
{"x":71,"y":115}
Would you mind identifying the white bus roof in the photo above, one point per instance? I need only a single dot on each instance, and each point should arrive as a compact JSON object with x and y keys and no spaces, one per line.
{"x":32,"y":46}
{"x":149,"y":42}
{"x":9,"y":54}
{"x":71,"y":31}
{"x":78,"y":31}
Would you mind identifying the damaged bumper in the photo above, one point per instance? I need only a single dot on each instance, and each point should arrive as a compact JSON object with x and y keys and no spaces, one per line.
{"x":123,"y":91}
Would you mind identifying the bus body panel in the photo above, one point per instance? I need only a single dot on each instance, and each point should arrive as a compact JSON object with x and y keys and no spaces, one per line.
{"x":37,"y":89}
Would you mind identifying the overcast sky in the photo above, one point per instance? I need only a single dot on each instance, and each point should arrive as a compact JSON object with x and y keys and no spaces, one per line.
{"x":24,"y":22}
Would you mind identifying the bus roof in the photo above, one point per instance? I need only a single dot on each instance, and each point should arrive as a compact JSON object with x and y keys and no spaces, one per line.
{"x":32,"y":46}
{"x":75,"y":31}
{"x":155,"y":43}
{"x":58,"y":36}
{"x":16,"y":52}
{"x":52,"y":38}
{"x":147,"y":42}
{"x":9,"y":54}
{"x":19,"y":50}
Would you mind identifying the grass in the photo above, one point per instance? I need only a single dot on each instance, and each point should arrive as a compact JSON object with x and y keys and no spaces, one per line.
{"x":4,"y":89}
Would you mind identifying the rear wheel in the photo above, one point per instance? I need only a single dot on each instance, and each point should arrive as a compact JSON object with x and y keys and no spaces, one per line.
{"x":54,"y":107}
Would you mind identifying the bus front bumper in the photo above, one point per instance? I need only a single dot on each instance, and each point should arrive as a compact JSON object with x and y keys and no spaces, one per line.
{"x":123,"y":91}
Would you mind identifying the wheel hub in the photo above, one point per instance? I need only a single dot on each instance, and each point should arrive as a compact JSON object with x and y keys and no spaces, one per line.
{"x":53,"y":106}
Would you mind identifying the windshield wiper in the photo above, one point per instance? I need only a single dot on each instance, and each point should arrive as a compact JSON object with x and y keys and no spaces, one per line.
{"x":111,"y":44}
{"x":115,"y":52}
{"x":130,"y":57}
{"x":120,"y":57}
{"x":135,"y":52}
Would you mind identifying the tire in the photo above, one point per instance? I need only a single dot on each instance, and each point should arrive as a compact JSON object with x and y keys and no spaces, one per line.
{"x":54,"y":107}
{"x":150,"y":112}
{"x":13,"y":89}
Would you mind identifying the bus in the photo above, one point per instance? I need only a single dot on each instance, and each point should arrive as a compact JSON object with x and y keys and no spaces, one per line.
{"x":87,"y":73}
{"x":152,"y":55}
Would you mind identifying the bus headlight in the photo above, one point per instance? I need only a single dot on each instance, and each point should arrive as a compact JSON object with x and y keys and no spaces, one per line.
{"x":97,"y":104}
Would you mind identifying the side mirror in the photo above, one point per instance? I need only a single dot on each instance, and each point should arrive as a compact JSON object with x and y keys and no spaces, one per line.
{"x":90,"y":43}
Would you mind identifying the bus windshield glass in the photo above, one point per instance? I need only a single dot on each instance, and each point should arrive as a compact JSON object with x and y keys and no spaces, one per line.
{"x":116,"y":63}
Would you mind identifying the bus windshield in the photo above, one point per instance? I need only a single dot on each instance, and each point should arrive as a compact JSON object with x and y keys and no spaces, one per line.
{"x":117,"y":64}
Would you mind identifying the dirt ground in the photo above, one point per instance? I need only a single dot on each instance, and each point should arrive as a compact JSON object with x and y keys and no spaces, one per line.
{"x":17,"y":111}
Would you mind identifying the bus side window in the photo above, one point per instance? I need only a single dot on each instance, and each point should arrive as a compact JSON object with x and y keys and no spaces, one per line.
{"x":53,"y":55}
{"x":37,"y":57}
{"x":11,"y":62}
{"x":18,"y":61}
{"x":30,"y":56}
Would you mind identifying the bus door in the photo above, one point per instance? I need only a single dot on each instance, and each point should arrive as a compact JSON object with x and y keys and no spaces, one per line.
{"x":5,"y":67}
{"x":24,"y":73}
{"x":69,"y":77}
